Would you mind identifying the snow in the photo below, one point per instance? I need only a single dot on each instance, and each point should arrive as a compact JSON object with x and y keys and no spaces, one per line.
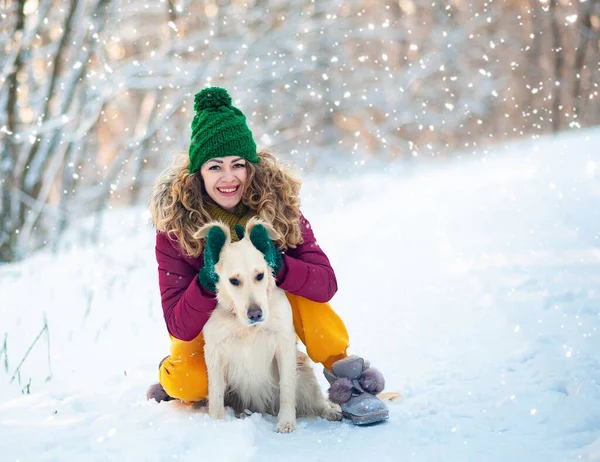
{"x":473,"y":284}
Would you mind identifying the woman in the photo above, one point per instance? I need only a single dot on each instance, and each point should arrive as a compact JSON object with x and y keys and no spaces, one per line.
{"x":224,"y":178}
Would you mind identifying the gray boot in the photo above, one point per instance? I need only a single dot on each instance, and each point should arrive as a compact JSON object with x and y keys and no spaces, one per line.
{"x":158,"y":393}
{"x":354,"y":386}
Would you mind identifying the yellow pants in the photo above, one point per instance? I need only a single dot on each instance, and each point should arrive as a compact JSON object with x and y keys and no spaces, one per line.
{"x":183,"y":373}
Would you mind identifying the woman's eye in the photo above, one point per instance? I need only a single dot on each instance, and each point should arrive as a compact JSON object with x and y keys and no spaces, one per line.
{"x":260,"y":276}
{"x":239,"y":165}
{"x":234,"y":281}
{"x":214,"y":167}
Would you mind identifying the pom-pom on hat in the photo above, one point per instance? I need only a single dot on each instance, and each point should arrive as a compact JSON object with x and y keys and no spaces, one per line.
{"x":218,"y":130}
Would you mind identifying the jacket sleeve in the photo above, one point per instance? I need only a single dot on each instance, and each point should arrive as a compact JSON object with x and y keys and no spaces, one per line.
{"x":306,"y":270}
{"x":186,"y":304}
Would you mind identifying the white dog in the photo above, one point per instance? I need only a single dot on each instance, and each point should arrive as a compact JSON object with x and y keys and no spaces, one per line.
{"x":250,"y":350}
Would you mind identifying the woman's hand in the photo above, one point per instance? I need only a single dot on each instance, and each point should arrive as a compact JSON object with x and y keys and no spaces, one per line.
{"x":215,"y":240}
{"x":260,"y":238}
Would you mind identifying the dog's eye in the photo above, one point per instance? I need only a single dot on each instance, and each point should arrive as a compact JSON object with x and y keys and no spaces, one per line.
{"x":260,"y":276}
{"x":234,"y":281}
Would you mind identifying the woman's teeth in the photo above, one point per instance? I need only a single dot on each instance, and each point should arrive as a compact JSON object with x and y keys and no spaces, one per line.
{"x":228,"y":190}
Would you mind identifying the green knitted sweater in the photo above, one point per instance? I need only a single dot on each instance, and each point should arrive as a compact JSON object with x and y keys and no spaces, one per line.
{"x":239,"y":216}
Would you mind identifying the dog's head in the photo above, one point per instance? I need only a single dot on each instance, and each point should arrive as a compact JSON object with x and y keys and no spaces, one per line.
{"x":245,"y":279}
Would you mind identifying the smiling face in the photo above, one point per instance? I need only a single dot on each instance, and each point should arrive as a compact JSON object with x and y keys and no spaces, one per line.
{"x":224,"y":179}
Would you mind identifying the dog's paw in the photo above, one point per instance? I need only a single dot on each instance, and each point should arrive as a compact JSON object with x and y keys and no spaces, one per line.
{"x":217,"y":412}
{"x":286,"y":426}
{"x":332,"y":412}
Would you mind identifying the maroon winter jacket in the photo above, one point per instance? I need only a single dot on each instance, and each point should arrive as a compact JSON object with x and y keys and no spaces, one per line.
{"x":187,"y":305}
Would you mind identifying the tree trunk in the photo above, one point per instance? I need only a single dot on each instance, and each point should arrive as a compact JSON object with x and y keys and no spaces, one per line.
{"x":10,"y":203}
{"x":558,"y":65}
{"x":585,"y":33}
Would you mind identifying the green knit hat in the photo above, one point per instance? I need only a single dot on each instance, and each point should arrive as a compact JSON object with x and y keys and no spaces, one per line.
{"x":218,"y":130}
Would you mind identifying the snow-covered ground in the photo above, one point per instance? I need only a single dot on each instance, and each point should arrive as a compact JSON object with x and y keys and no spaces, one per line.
{"x":473,"y":284}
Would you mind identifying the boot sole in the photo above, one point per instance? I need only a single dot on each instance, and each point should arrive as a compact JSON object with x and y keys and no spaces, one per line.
{"x":369,"y":418}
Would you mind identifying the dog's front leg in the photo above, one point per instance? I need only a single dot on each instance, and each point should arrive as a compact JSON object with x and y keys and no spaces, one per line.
{"x":286,"y":361}
{"x":216,"y":367}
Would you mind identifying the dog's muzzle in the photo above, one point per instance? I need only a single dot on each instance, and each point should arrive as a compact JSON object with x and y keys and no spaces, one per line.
{"x":255,"y":314}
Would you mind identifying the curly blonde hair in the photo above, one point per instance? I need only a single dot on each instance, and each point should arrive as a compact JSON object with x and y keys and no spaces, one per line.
{"x":179,"y":197}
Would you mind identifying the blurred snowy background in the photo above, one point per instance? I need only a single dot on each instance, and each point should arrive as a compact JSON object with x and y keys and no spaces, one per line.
{"x":96,"y":95}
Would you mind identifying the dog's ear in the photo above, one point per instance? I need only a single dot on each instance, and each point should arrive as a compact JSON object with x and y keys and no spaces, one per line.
{"x":271,"y":232}
{"x":205,"y":229}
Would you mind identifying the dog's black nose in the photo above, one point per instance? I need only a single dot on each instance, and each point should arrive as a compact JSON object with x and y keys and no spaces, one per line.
{"x":255,"y":314}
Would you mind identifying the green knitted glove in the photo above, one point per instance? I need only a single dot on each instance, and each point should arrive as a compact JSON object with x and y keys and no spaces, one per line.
{"x":260,"y":239}
{"x":215,"y":240}
{"x":240,"y":231}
